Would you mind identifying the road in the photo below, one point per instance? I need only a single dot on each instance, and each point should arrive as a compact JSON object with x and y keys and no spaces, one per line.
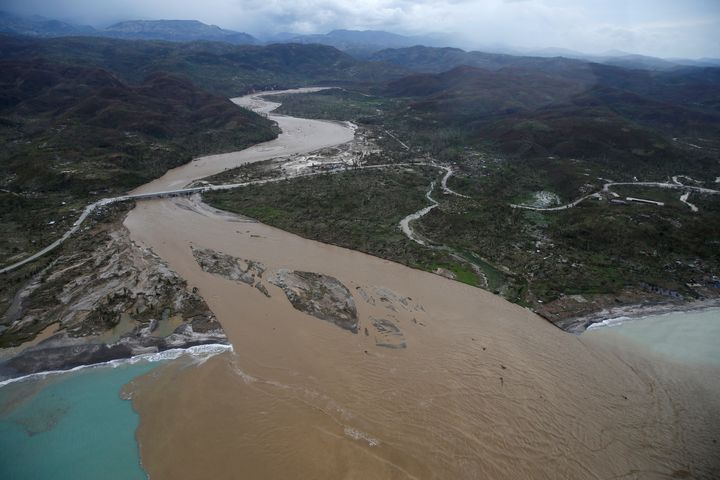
{"x":86,"y":212}
{"x":197,"y":190}
{"x":609,"y":185}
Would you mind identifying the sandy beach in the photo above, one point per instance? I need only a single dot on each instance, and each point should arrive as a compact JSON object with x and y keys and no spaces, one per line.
{"x":483,"y":389}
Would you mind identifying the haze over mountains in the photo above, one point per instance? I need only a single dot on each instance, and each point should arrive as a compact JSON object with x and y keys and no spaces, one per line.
{"x":170,"y":30}
{"x":364,"y":44}
{"x":616,"y":105}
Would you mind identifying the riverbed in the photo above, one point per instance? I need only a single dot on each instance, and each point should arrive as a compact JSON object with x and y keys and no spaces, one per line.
{"x":483,"y":389}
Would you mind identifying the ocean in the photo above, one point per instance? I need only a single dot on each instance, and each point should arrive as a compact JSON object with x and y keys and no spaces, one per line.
{"x":685,"y":337}
{"x":75,"y":425}
{"x":71,"y":426}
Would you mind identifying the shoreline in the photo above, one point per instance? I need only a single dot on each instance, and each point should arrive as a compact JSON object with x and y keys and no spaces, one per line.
{"x":639,"y":311}
{"x":602,"y":320}
{"x":205,"y":350}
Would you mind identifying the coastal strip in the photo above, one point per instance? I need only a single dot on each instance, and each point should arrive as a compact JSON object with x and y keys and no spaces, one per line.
{"x":201,"y":351}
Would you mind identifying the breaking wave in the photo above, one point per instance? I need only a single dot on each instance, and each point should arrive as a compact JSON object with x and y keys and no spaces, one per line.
{"x":610,"y":322}
{"x":203,"y":352}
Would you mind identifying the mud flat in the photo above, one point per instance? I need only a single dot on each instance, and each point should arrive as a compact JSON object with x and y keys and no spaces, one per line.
{"x":101,"y":299}
{"x":482,"y":388}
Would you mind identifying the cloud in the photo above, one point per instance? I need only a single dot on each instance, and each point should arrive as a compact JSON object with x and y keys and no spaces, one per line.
{"x":657,"y":27}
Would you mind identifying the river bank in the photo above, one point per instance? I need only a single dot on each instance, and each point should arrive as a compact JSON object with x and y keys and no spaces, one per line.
{"x":100,"y":298}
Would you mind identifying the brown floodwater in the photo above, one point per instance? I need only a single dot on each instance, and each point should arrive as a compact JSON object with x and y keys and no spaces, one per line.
{"x":298,"y":136}
{"x":484,"y":389}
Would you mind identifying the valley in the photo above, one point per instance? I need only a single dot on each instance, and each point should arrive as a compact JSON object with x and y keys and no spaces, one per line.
{"x":346,"y":256}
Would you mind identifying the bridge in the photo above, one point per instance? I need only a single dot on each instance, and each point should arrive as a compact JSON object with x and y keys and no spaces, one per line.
{"x":185,"y":192}
{"x":91,"y":208}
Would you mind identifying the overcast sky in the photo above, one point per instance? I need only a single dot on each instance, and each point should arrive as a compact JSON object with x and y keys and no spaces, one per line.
{"x":666,"y":28}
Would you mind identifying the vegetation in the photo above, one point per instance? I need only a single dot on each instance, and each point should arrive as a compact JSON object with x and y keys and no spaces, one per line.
{"x":219,"y":68}
{"x":73,"y":134}
{"x":360,"y":210}
{"x":334,"y":104}
{"x":603,"y":251}
{"x":596,"y":248}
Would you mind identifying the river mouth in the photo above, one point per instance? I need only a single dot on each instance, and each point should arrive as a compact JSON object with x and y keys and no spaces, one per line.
{"x":482,"y":389}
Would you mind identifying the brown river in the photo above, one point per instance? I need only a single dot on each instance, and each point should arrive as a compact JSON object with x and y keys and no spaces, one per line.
{"x":484,"y":390}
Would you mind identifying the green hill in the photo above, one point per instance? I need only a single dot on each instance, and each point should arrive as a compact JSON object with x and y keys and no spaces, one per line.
{"x":72,"y":134}
{"x":220,"y":68}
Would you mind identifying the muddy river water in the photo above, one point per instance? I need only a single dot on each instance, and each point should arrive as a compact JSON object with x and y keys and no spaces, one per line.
{"x":484,"y":388}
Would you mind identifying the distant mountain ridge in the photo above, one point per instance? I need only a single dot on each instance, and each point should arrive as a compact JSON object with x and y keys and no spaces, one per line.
{"x":435,"y":60}
{"x":362,"y":44}
{"x":168,"y":30}
{"x":176,"y":30}
{"x":37,"y":26}
{"x":365,"y":42}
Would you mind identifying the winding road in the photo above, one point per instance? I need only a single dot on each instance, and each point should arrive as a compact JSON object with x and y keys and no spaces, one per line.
{"x":406,"y":227}
{"x":405,"y":222}
{"x":263,"y":107}
{"x":606,"y":188}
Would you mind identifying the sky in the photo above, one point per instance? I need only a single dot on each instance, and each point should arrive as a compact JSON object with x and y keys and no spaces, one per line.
{"x":664,"y":28}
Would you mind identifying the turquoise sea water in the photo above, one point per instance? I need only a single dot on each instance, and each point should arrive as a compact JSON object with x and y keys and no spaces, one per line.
{"x":687,"y":337}
{"x":71,"y":426}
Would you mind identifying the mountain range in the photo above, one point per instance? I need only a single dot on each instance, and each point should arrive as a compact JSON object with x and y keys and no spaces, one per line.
{"x":169,"y":30}
{"x":362,"y":44}
{"x":217,"y":67}
{"x":432,"y":59}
